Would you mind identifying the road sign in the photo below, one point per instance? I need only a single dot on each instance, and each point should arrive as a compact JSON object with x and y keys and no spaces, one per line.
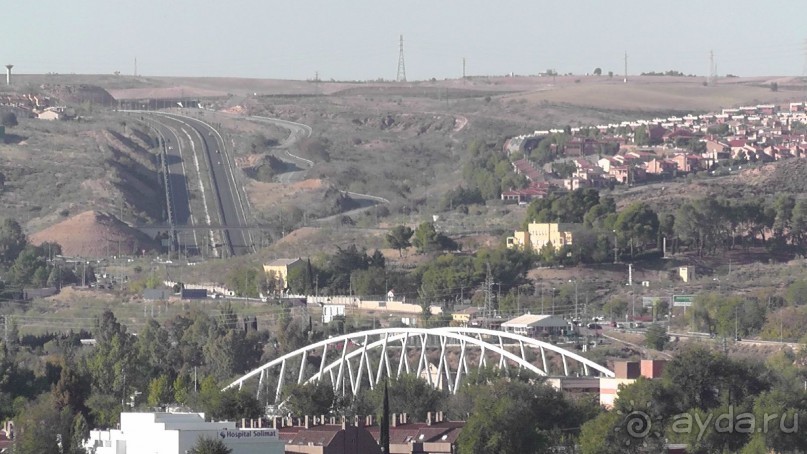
{"x":682,"y":300}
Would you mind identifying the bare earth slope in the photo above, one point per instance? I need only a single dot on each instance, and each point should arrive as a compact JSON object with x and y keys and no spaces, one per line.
{"x":95,"y":234}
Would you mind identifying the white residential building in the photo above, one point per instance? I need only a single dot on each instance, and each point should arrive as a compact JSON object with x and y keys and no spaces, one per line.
{"x":178,"y":433}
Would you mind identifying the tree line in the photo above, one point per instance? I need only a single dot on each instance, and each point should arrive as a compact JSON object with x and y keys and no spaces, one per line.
{"x":25,"y":265}
{"x":55,"y":389}
{"x":706,"y":225}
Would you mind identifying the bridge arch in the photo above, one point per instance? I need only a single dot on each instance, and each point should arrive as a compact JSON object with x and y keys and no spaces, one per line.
{"x":343,"y":368}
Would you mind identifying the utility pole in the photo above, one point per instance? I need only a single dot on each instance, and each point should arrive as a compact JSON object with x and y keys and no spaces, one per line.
{"x":488,"y":293}
{"x":463,"y":68}
{"x":135,"y":67}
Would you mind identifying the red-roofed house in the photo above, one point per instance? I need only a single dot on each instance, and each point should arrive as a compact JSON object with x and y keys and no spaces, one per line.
{"x":315,"y":435}
{"x":659,"y":167}
{"x":687,"y":163}
{"x":322,"y":435}
{"x":536,"y":190}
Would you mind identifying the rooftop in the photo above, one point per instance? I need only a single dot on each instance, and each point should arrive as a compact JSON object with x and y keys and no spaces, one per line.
{"x":283,"y":262}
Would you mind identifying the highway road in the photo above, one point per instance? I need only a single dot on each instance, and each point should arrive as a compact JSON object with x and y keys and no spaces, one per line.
{"x":192,"y":141}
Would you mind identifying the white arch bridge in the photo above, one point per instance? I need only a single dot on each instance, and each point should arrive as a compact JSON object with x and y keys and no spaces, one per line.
{"x":443,"y":355}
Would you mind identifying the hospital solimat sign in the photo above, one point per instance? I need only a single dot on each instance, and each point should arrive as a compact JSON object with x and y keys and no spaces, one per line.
{"x":240,"y":434}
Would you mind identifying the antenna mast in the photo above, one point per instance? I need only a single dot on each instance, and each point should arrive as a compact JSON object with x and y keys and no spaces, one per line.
{"x":401,"y":65}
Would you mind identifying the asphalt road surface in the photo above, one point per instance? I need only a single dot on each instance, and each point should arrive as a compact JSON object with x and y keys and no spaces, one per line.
{"x":227,"y":204}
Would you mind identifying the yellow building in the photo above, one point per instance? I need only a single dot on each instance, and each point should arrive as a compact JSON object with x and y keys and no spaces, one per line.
{"x":282,"y":267}
{"x":538,"y":235}
{"x":463,"y":317}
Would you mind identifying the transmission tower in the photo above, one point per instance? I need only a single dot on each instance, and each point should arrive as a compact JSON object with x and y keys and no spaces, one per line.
{"x":401,"y":65}
{"x":712,"y":80}
{"x":625,"y":80}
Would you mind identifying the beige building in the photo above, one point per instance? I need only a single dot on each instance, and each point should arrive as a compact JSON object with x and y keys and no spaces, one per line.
{"x":281,"y":269}
{"x":538,"y":235}
{"x":686,"y":273}
{"x":534,"y":324}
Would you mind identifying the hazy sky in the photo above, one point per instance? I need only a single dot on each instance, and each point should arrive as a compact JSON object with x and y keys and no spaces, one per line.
{"x":358,"y":39}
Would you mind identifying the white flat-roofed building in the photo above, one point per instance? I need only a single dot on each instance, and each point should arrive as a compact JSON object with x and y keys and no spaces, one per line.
{"x":531,"y":325}
{"x":178,"y":433}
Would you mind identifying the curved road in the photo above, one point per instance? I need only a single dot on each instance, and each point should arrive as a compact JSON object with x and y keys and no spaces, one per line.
{"x":298,"y":131}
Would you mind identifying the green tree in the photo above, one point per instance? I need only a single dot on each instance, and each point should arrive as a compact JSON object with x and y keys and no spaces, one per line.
{"x":798,"y":226}
{"x":796,"y":293}
{"x":641,"y":136}
{"x":182,"y":389}
{"x":310,"y":398}
{"x":246,"y":280}
{"x":41,"y":428}
{"x":26,"y":268}
{"x":72,"y":390}
{"x":638,"y":225}
{"x":598,"y":71}
{"x":616,"y":308}
{"x":704,"y":379}
{"x":368,"y":282}
{"x":428,"y":239}
{"x":398,"y":238}
{"x":207,"y":445}
{"x":232,"y":352}
{"x":159,"y":391}
{"x":231,"y":404}
{"x":112,"y":357}
{"x":514,"y":416}
{"x":656,"y":337}
{"x":12,"y":241}
{"x":408,"y":394}
{"x":80,"y":433}
{"x":105,"y":409}
{"x":597,"y":436}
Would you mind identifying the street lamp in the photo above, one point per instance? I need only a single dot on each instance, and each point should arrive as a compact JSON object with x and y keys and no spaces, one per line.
{"x":575,"y":297}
